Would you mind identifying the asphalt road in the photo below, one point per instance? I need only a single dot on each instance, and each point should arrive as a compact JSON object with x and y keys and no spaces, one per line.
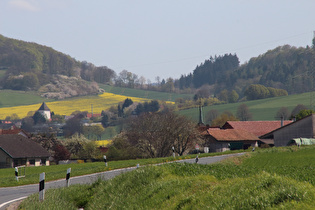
{"x":12,"y":194}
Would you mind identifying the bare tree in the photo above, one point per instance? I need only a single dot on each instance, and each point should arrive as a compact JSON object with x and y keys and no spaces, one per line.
{"x":156,"y":133}
{"x":243,"y":113}
{"x":211,"y":115}
{"x":283,"y":113}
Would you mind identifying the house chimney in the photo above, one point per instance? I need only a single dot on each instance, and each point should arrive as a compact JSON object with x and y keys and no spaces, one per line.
{"x":281,"y":121}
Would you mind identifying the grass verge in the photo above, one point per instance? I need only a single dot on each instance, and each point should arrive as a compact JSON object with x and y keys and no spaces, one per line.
{"x":55,"y":172}
{"x":240,"y":183}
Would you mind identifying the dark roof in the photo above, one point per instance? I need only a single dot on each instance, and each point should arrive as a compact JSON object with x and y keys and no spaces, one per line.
{"x":258,"y":128}
{"x":231,"y":135}
{"x":44,"y":107}
{"x":17,"y":146}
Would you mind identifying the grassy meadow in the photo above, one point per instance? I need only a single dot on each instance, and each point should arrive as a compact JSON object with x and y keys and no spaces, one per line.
{"x":275,"y":178}
{"x":11,"y":98}
{"x":264,"y":109}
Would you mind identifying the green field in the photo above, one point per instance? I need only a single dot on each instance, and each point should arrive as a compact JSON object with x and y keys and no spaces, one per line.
{"x":264,"y":109}
{"x":163,"y":96}
{"x":276,"y":178}
{"x":10,"y":98}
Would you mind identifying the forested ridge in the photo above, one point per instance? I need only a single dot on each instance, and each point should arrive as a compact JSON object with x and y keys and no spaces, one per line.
{"x":285,"y":67}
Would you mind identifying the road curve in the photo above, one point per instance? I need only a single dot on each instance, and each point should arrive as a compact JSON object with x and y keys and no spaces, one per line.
{"x":12,"y":194}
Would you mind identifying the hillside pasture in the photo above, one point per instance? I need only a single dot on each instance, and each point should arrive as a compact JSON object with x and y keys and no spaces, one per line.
{"x":10,"y":98}
{"x":66,"y":107}
{"x":264,"y":109}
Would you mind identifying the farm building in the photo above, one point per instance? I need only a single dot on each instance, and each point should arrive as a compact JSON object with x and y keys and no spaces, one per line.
{"x":16,"y":150}
{"x":239,"y":134}
{"x":258,"y":128}
{"x":220,"y":140}
{"x":303,"y":128}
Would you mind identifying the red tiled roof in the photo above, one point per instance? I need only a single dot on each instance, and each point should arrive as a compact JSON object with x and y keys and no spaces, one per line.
{"x":89,"y":115}
{"x":258,"y":128}
{"x":232,"y":135}
{"x":14,"y":131}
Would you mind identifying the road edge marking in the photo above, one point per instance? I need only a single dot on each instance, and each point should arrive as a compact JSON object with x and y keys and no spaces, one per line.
{"x":11,"y":201}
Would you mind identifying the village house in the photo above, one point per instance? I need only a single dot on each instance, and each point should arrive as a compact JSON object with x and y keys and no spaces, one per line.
{"x":220,"y":140}
{"x":303,"y":128}
{"x":17,"y":150}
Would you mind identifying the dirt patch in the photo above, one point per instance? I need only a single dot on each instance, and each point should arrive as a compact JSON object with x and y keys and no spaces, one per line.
{"x":14,"y":205}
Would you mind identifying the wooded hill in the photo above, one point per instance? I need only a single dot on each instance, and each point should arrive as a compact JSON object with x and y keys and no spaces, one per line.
{"x":284,"y":67}
{"x":30,"y":66}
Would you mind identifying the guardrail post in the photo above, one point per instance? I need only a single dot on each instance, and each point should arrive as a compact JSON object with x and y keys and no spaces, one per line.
{"x":68,"y":177}
{"x":16,"y":174}
{"x":197,"y":159}
{"x":42,"y":186}
{"x":105,"y":160}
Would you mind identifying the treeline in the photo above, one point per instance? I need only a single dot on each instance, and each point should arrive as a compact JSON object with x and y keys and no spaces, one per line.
{"x":286,"y":67}
{"x":212,"y":71}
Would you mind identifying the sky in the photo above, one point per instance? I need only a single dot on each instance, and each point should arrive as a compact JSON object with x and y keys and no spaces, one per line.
{"x":165,"y":38}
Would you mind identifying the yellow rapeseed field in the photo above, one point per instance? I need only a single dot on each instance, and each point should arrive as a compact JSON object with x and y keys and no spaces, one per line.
{"x":103,"y":142}
{"x":66,"y":107}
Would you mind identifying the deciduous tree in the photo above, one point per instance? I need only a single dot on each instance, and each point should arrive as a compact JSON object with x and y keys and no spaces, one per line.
{"x":225,"y":116}
{"x":283,"y":113}
{"x":211,"y":115}
{"x":243,"y":113}
{"x":154,"y":134}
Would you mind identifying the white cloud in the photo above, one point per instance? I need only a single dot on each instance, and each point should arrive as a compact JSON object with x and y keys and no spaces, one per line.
{"x":28,"y":5}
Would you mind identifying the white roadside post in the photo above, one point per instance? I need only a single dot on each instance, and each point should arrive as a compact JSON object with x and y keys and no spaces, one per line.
{"x":16,"y":174}
{"x":105,"y":160}
{"x":68,"y":177}
{"x":173,"y":152}
{"x":42,"y":186}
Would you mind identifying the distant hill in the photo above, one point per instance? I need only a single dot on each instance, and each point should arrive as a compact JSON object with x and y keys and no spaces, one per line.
{"x":30,"y":66}
{"x":263,"y":109}
{"x":284,"y":67}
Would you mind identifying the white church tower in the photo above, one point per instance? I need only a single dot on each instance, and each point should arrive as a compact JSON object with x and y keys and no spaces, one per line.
{"x":45,"y":111}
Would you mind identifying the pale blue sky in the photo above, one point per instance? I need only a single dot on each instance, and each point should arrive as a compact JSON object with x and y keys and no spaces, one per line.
{"x":163,"y":38}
